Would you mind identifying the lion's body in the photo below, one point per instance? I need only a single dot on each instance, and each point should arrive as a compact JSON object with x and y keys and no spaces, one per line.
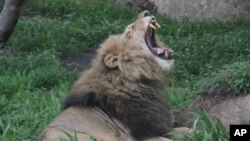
{"x":138,"y":103}
{"x":121,"y":96}
{"x":85,"y":122}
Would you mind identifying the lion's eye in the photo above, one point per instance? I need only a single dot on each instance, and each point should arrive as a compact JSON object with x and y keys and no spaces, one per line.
{"x":146,"y":14}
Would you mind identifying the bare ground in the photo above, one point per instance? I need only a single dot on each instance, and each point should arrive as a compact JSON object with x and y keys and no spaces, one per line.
{"x":219,"y":103}
{"x":80,"y":61}
{"x":233,"y":110}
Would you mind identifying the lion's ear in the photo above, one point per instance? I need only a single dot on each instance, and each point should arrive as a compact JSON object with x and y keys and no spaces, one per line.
{"x":111,"y":61}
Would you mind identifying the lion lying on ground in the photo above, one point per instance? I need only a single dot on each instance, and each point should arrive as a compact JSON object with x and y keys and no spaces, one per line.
{"x":120,"y":98}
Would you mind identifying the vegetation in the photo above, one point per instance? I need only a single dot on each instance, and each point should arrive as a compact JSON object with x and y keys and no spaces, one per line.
{"x":235,"y":77}
{"x":205,"y":129}
{"x":33,"y":81}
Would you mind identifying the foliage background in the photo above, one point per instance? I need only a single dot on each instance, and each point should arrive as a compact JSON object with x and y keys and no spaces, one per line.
{"x":33,"y":81}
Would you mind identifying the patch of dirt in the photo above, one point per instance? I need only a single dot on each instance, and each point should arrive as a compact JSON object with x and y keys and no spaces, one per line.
{"x":220,"y":103}
{"x":211,"y":97}
{"x":232,"y":111}
{"x":80,"y":61}
{"x":223,"y":104}
{"x":205,"y":101}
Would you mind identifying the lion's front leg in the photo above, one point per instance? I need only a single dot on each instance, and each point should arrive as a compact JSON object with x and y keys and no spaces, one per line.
{"x":178,"y":133}
{"x":158,"y":139}
{"x":58,"y":134}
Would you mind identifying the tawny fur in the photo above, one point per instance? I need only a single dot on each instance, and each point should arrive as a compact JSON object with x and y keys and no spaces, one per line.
{"x":125,"y":82}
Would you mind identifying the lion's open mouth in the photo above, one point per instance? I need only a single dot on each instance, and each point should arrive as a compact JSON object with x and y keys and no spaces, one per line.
{"x":163,"y":53}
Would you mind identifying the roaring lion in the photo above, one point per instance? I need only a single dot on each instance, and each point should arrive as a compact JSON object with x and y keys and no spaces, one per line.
{"x":121,"y":97}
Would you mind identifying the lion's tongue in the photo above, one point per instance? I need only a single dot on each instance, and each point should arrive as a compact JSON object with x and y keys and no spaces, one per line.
{"x":159,"y":51}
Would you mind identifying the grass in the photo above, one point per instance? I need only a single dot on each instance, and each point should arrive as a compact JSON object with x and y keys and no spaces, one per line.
{"x":203,"y":47}
{"x":206,"y":129}
{"x":236,"y":77}
{"x":33,"y":82}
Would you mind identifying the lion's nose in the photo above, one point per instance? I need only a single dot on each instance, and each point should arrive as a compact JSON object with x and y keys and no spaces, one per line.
{"x":170,"y":53}
{"x":153,"y":18}
{"x":146,"y":13}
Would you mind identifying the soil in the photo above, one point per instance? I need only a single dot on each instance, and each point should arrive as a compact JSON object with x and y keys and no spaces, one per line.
{"x":228,"y":108}
{"x":233,"y":110}
{"x":80,"y":61}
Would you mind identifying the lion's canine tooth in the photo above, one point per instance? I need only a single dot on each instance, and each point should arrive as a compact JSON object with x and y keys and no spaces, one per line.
{"x":158,"y":25}
{"x":152,"y":26}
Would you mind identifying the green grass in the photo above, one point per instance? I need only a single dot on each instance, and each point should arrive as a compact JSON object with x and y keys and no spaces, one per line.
{"x":32,"y":86}
{"x":235,"y":77}
{"x":33,"y":82}
{"x":68,"y":26}
{"x":203,"y":47}
{"x":206,"y":129}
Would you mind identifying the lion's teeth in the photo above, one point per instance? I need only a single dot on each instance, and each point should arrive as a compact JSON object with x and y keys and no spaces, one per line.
{"x":157,"y":25}
{"x":152,"y":26}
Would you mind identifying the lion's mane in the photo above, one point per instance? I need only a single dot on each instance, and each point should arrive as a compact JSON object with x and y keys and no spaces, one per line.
{"x":126,"y":83}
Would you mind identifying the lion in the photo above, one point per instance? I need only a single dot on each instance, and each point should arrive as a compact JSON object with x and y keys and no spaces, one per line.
{"x":121,"y":97}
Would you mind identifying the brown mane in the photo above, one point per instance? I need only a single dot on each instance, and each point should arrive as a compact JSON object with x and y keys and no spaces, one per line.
{"x":128,"y":89}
